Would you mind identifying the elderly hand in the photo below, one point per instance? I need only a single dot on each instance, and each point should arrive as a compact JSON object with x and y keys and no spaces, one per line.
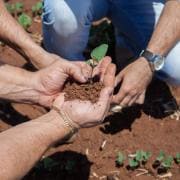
{"x":134,"y":80}
{"x":50,"y":80}
{"x":84,"y":113}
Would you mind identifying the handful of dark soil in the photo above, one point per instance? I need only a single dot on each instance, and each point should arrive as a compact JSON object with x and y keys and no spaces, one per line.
{"x":85,"y":92}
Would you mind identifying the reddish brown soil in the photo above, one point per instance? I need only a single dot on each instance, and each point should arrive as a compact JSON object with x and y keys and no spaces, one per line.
{"x":140,"y":127}
{"x":84,"y":92}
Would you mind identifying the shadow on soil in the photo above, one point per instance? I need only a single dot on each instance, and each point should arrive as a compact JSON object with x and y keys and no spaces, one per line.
{"x":9,"y":115}
{"x":69,"y":165}
{"x":159,"y":103}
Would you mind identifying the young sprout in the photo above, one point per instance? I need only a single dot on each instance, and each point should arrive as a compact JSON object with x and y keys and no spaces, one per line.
{"x":37,"y":8}
{"x":161,"y":156}
{"x":97,"y":54}
{"x":142,"y":156}
{"x":10,"y":8}
{"x":133,"y":163}
{"x":25,"y":20}
{"x":177,"y":158}
{"x":120,"y":159}
{"x":167,"y":163}
{"x":19,"y":7}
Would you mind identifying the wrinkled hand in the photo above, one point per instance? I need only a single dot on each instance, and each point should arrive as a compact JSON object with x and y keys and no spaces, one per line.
{"x":84,"y":113}
{"x":50,"y":80}
{"x":134,"y":80}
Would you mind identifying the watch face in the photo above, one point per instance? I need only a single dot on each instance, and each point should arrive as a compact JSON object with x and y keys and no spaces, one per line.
{"x":158,"y":63}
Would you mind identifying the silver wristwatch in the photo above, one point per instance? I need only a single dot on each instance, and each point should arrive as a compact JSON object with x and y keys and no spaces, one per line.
{"x":156,"y":61}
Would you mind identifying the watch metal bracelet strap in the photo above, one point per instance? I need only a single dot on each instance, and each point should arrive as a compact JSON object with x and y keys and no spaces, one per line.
{"x":67,"y":121}
{"x":149,"y":57}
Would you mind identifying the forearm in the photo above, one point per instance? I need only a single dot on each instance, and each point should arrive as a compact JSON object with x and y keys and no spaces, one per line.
{"x":14,"y":35}
{"x":17,"y":85}
{"x":167,"y":31}
{"x":24,"y":145}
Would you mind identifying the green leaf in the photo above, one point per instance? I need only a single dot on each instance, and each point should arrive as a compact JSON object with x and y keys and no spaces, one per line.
{"x":139,"y":156}
{"x":99,"y":52}
{"x":39,"y":5}
{"x":37,"y":8}
{"x":10,"y":8}
{"x":178,"y":158}
{"x":25,"y":20}
{"x":120,"y":159}
{"x":167,"y":163}
{"x":161,"y":156}
{"x":146,"y":156}
{"x":133,"y":163}
{"x":19,"y":6}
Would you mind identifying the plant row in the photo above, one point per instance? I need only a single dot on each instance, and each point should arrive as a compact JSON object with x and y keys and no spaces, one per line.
{"x":17,"y":11}
{"x":162,"y":162}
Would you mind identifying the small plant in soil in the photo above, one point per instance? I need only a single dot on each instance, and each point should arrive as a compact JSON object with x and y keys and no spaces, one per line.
{"x":25,"y":21}
{"x":120,"y":159}
{"x":140,"y":159}
{"x":177,"y":158}
{"x":37,"y":9}
{"x":163,"y":163}
{"x":97,"y":54}
{"x":15,"y":9}
{"x":91,"y":90}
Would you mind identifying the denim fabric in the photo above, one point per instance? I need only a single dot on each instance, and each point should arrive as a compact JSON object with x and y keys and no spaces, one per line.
{"x":66,"y":25}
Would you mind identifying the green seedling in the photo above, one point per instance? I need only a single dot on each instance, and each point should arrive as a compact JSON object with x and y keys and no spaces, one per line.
{"x":133,"y":163}
{"x":15,"y":9}
{"x":142,"y":156}
{"x":25,"y":21}
{"x":19,"y":7}
{"x":177,"y":158}
{"x":10,"y":8}
{"x":97,"y":54}
{"x":161,"y":156}
{"x":37,"y":8}
{"x":120,"y":159}
{"x":167,"y":162}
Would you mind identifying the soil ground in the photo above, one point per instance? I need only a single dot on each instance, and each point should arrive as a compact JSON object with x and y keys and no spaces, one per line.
{"x":139,"y":127}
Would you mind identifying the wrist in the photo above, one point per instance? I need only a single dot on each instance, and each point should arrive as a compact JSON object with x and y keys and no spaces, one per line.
{"x":60,"y":131}
{"x":38,"y":56}
{"x":147,"y":66}
{"x":19,"y":85}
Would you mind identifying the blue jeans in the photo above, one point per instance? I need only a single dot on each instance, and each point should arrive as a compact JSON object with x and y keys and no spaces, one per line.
{"x":66,"y":25}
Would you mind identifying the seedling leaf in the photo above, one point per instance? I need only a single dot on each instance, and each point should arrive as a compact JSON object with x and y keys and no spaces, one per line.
{"x":99,"y":52}
{"x":37,"y":8}
{"x":10,"y":8}
{"x":133,"y":163}
{"x":25,"y":20}
{"x":167,"y":163}
{"x":120,"y":159}
{"x":19,"y":6}
{"x":178,"y":158}
{"x":161,"y":156}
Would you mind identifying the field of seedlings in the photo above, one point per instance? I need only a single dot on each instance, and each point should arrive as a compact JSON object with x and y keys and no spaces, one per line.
{"x":140,"y":143}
